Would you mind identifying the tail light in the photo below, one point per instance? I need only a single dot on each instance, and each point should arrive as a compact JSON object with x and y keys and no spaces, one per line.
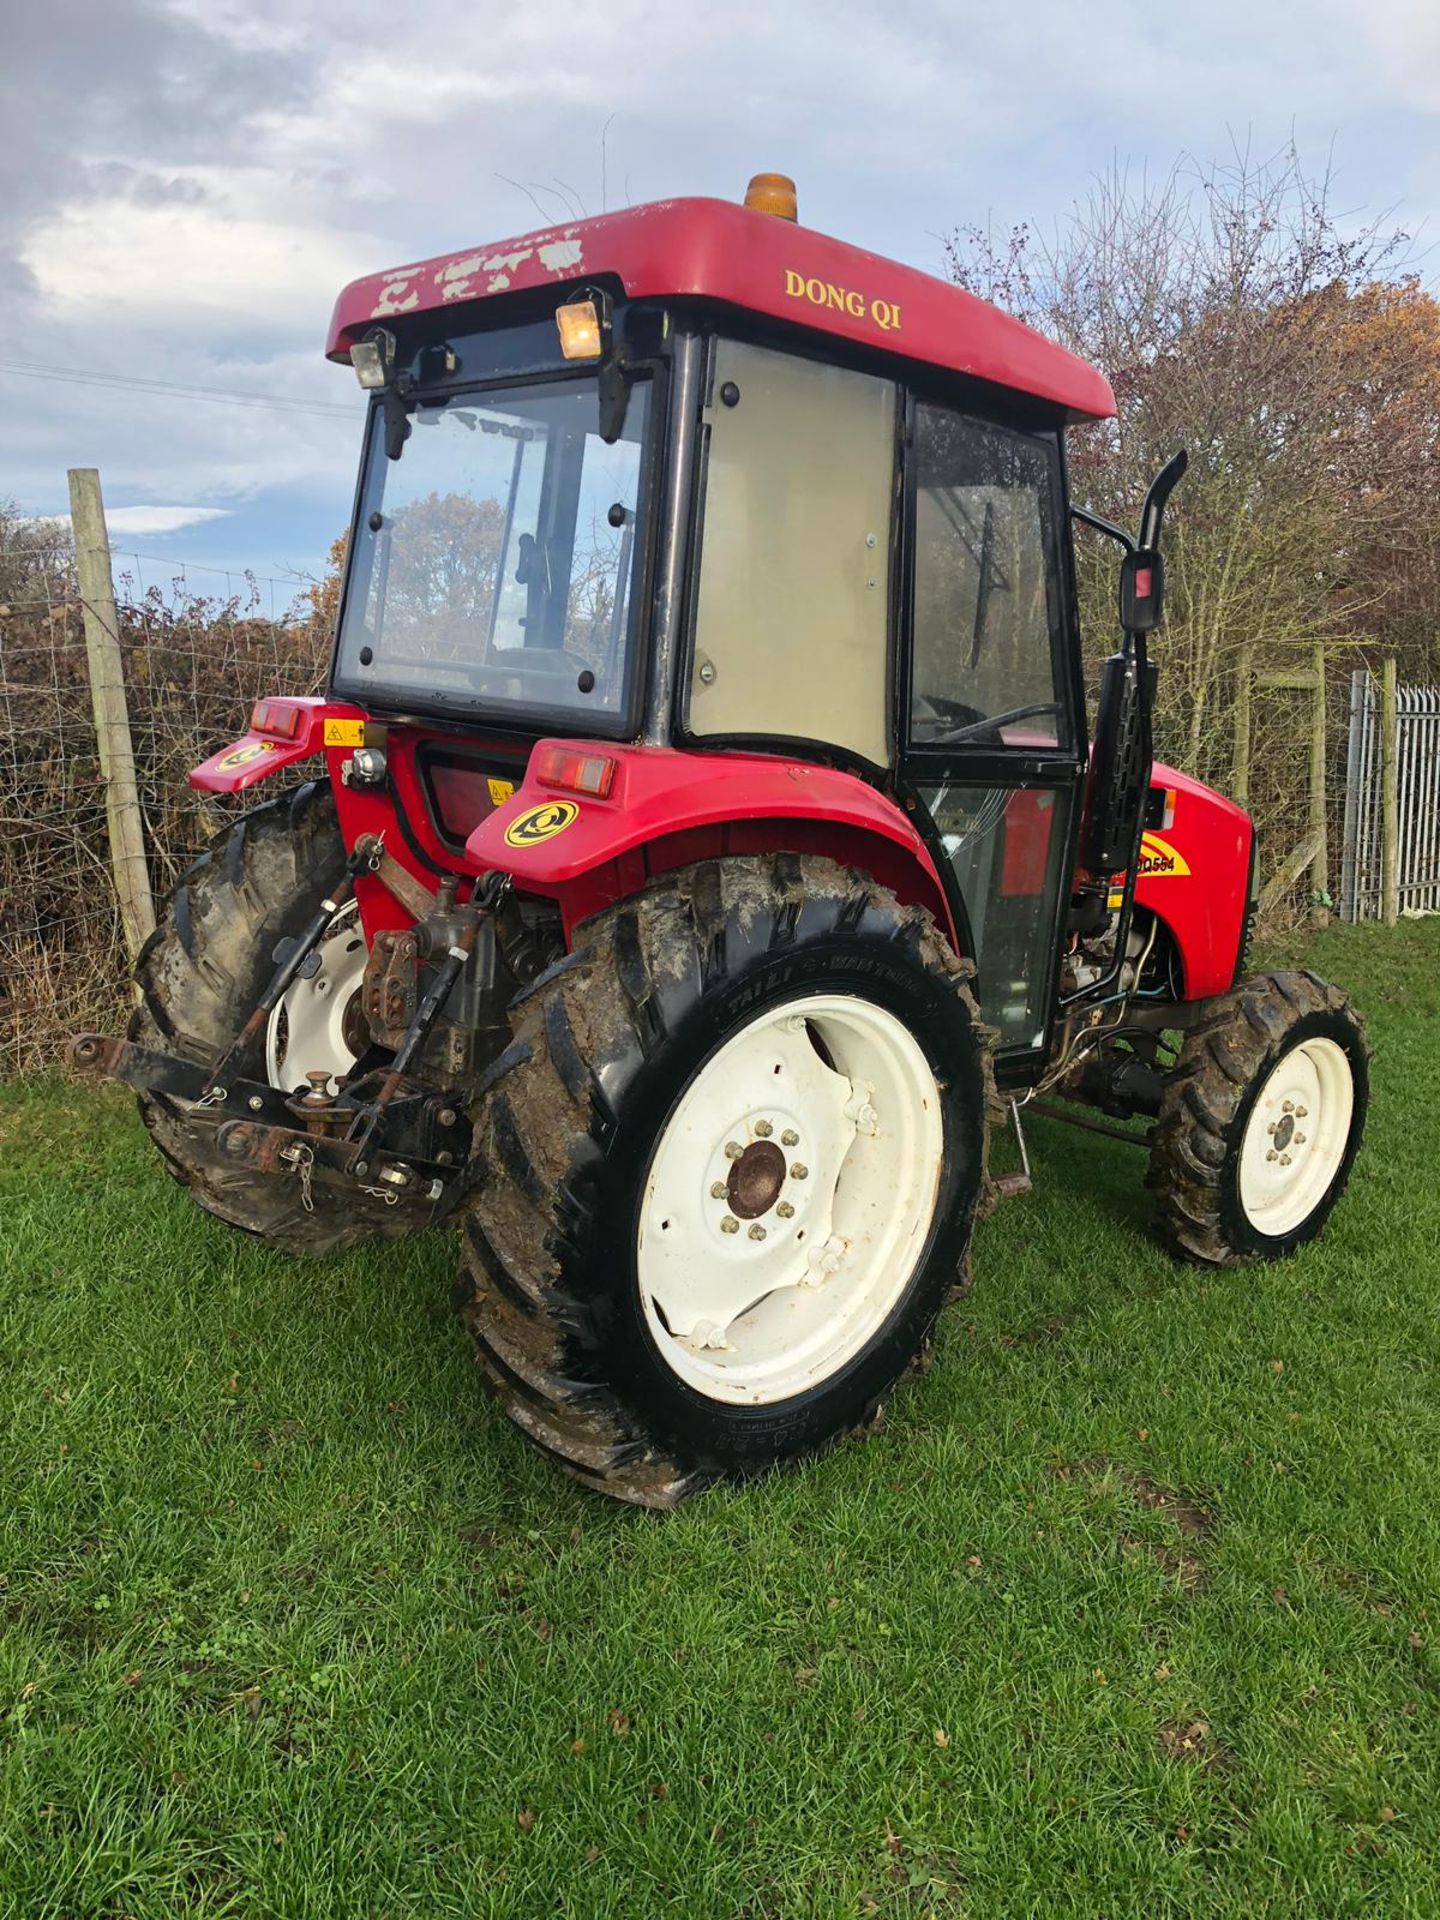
{"x":574,"y":771}
{"x":279,"y":718}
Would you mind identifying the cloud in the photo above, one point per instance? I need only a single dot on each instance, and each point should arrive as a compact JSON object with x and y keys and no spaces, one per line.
{"x":245,"y":242}
{"x":127,"y":81}
{"x":145,"y":520}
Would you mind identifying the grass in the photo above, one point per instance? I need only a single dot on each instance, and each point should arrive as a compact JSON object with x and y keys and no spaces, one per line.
{"x":1125,"y":1611}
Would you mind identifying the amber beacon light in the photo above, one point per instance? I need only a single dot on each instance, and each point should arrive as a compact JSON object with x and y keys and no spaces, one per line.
{"x":772,"y":193}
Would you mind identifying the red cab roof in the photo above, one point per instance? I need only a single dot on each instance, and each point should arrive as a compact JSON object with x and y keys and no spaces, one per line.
{"x":714,"y":250}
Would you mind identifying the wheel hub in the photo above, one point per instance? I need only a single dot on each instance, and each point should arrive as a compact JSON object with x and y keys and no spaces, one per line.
{"x":756,"y":1179}
{"x":787,"y":1198}
{"x":1294,"y":1143}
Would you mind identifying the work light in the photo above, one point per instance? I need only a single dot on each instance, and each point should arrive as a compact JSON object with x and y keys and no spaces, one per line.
{"x":373,"y":358}
{"x":584,"y":324}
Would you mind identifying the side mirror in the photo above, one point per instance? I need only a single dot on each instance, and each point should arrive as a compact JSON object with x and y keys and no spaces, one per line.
{"x":1142,"y":590}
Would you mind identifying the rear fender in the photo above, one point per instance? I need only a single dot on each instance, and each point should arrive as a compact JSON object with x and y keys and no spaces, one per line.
{"x":296,"y":728}
{"x":667,"y":809}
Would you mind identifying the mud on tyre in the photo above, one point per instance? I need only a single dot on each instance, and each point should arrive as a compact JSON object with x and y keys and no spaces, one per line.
{"x":751,"y":1052}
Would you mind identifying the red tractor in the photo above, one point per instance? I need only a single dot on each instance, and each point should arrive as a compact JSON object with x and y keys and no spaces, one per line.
{"x":712,"y":846}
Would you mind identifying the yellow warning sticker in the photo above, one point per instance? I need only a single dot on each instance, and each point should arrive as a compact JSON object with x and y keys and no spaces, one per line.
{"x":528,"y":829}
{"x":500,"y":791}
{"x":242,"y":755}
{"x":1159,"y":860}
{"x":344,"y":733}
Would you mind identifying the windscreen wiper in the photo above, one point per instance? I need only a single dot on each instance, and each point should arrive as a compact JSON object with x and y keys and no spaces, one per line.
{"x":987,"y":581}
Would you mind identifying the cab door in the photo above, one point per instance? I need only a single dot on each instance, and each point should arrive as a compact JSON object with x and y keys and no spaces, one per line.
{"x":991,"y":716}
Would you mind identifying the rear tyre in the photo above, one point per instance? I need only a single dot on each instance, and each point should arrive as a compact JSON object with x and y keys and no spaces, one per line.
{"x":200,"y":974}
{"x":1261,"y":1120}
{"x":728,"y":1172}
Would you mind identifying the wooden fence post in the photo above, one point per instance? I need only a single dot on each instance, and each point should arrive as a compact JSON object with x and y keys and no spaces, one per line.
{"x":1240,"y":747}
{"x":1389,"y":796}
{"x":1320,"y":865}
{"x":112,"y":718}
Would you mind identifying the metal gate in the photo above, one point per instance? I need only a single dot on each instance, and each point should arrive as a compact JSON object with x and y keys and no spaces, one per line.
{"x":1417,"y":758}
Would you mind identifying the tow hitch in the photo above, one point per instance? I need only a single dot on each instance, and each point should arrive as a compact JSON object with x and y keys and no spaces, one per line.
{"x":396,"y":1139}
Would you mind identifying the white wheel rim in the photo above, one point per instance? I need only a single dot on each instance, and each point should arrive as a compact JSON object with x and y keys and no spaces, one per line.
{"x":750,"y":1317}
{"x":306,"y":1032}
{"x":1296,"y":1136}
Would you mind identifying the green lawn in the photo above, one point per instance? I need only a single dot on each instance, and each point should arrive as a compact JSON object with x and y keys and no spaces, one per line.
{"x":1126,"y":1610}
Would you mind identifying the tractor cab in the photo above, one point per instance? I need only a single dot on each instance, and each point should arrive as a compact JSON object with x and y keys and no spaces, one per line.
{"x":696,"y":477}
{"x":705,"y":735}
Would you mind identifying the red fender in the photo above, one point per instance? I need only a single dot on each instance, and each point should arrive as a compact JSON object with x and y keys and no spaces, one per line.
{"x":288,"y":729}
{"x":665,"y":809}
{"x":1195,"y":877}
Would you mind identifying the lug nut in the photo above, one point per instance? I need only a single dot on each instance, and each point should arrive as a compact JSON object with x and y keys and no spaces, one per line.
{"x":799,"y":1170}
{"x":789,"y":1138}
{"x":1284,"y":1159}
{"x":763,"y":1129}
{"x":1272,"y":1155}
{"x":785,"y":1210}
{"x":1288,"y":1107}
{"x":757,"y":1232}
{"x":718,"y":1190}
{"x":729,"y":1224}
{"x":733,"y":1149}
{"x":1274,"y":1127}
{"x":1302,"y":1113}
{"x":1299,"y":1139}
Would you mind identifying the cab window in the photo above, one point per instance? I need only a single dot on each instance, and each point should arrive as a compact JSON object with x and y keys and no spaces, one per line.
{"x":791,"y":624}
{"x":985,"y":590}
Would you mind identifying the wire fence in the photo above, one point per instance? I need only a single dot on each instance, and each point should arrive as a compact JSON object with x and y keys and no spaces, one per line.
{"x":198,"y":645}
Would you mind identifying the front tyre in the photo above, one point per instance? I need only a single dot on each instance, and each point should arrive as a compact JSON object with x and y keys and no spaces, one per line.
{"x":1261,"y":1120}
{"x":729,"y":1175}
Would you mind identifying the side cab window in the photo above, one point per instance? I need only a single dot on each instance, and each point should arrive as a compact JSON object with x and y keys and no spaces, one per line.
{"x":792,"y":607}
{"x":986,"y":597}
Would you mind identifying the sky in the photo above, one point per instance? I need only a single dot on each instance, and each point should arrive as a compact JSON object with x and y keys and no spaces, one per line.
{"x":185,"y":185}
